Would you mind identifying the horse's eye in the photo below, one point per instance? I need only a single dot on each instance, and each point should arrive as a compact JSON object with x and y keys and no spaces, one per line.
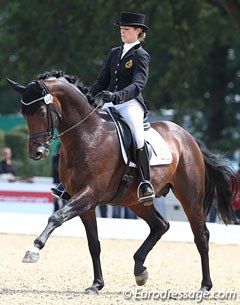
{"x":43,"y":114}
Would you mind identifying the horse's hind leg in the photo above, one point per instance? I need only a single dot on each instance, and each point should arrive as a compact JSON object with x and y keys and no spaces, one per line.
{"x":201,"y":239}
{"x":158,"y":226}
{"x":192,"y":202}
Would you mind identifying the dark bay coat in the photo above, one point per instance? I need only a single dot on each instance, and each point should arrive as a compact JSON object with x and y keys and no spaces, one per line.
{"x":125,"y":77}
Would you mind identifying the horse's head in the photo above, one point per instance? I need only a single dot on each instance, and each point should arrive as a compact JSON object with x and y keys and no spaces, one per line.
{"x":41,"y":115}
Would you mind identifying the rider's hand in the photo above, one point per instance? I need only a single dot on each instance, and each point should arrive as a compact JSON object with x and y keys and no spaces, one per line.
{"x":108,"y":97}
{"x":90,"y":99}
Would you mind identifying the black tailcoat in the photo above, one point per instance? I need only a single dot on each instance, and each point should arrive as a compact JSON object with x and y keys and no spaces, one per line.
{"x":125,"y":77}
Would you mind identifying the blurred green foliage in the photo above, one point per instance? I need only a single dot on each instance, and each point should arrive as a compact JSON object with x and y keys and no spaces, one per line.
{"x":17,"y":140}
{"x":194,"y":47}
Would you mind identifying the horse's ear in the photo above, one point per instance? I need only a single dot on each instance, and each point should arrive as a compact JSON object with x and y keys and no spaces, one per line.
{"x":19,"y":88}
{"x":38,"y":87}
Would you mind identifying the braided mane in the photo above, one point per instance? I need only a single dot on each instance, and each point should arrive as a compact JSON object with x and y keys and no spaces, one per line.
{"x":70,"y":78}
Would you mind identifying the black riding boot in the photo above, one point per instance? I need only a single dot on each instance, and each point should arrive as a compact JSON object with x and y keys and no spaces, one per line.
{"x":59,"y":192}
{"x":147,"y":192}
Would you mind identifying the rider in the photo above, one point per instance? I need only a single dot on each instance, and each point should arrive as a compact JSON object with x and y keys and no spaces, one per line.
{"x":125,"y":74}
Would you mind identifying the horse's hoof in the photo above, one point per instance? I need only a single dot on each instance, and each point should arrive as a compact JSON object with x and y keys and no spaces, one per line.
{"x":91,"y":291}
{"x":142,"y":278}
{"x":30,"y":257}
{"x":205,"y":288}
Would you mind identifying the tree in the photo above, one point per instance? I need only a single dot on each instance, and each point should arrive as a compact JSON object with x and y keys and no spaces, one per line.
{"x":231,"y":7}
{"x":198,"y":43}
{"x":193,"y":44}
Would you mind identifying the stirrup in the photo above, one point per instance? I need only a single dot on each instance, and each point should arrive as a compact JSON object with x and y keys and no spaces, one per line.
{"x":148,"y":199}
{"x":60,"y":194}
{"x":56,"y":193}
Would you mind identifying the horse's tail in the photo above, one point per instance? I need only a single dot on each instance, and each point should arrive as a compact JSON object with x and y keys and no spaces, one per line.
{"x":220,"y":184}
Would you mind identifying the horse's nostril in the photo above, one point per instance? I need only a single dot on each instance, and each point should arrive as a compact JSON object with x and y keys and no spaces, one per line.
{"x":39,"y":155}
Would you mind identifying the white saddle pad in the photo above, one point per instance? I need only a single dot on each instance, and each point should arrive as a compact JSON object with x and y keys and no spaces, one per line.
{"x":161,"y":153}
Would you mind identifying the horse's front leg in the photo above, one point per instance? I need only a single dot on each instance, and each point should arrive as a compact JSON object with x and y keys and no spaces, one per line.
{"x":90,"y":223}
{"x":76,"y":206}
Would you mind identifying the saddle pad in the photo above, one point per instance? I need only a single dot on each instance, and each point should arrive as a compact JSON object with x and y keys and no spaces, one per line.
{"x":161,"y":153}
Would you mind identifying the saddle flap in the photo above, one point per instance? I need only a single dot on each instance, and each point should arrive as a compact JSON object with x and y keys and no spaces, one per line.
{"x":125,"y":133}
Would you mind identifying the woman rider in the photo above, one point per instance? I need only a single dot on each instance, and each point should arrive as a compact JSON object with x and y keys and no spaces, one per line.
{"x":124,"y":74}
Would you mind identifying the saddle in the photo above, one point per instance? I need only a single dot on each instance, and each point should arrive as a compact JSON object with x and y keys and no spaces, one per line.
{"x":158,"y":150}
{"x":126,"y":135}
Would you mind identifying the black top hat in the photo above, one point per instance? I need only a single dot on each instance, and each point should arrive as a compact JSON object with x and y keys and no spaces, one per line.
{"x":132,"y":19}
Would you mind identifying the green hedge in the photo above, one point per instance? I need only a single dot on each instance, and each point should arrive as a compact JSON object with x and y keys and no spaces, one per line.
{"x":2,"y":139}
{"x":17,"y":140}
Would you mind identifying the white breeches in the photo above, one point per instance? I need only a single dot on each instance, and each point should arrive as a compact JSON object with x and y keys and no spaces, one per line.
{"x":133,"y":112}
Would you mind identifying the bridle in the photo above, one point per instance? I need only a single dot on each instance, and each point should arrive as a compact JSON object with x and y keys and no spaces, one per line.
{"x":48,"y":100}
{"x":49,"y":133}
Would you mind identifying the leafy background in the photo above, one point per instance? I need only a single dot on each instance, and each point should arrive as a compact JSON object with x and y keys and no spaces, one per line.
{"x":194,"y":48}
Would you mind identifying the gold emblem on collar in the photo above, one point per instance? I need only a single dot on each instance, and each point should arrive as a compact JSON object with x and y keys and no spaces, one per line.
{"x":129,"y":64}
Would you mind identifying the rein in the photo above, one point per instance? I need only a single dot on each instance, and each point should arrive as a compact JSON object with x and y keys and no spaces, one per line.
{"x":77,"y":124}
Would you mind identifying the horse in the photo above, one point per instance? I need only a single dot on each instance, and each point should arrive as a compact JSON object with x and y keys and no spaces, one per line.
{"x":91,"y":168}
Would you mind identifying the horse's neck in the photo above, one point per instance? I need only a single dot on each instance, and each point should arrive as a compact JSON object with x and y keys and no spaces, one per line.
{"x":75,"y":108}
{"x":83,"y":128}
{"x":79,"y":122}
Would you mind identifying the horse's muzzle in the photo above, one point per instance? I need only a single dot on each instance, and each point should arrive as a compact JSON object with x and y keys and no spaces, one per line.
{"x":41,"y":153}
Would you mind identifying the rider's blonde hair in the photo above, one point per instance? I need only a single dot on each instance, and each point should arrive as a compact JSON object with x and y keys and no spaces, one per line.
{"x":141,"y":36}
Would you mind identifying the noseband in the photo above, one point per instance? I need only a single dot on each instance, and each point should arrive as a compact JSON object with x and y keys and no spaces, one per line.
{"x":48,"y":100}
